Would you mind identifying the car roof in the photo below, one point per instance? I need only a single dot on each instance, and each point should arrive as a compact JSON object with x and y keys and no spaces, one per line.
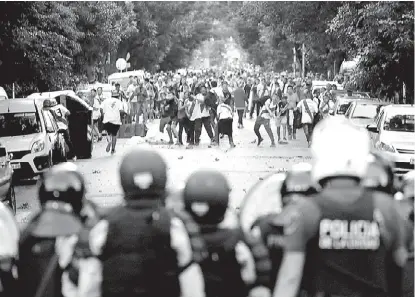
{"x":18,"y":105}
{"x":40,"y":97}
{"x":398,"y":106}
{"x":371,"y":101}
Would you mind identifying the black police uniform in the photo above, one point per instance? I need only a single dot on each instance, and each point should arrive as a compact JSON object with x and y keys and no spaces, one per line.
{"x":348,"y":255}
{"x":221,"y":269}
{"x":38,"y":265}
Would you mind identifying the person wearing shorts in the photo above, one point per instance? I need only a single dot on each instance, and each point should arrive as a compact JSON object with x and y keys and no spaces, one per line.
{"x":112,"y":109}
{"x":282,"y":118}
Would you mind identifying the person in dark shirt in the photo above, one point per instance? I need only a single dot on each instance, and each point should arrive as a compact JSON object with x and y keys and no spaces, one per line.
{"x":169,"y":109}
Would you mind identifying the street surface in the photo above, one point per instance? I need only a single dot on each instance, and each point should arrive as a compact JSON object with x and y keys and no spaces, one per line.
{"x":244,"y":165}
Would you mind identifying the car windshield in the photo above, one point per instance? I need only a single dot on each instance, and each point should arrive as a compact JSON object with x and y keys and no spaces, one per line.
{"x":400,"y":122}
{"x":17,"y":124}
{"x":343,"y":107}
{"x":365,"y":111}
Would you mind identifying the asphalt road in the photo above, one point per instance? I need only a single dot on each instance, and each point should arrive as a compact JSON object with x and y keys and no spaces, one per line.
{"x":244,"y":165}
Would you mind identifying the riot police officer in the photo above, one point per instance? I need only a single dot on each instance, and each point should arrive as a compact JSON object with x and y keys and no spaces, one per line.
{"x":340,"y":239}
{"x":9,"y":245}
{"x":45,"y":241}
{"x":206,"y":198}
{"x":140,"y":245}
{"x":297,"y":184}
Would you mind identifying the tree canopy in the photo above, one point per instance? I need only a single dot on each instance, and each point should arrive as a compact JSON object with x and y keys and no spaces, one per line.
{"x":55,"y":45}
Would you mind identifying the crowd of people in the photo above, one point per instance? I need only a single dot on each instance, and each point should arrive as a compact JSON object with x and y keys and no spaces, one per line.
{"x":341,"y":232}
{"x":188,"y":103}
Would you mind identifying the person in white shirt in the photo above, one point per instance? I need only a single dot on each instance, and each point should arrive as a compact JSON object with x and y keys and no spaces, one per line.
{"x":265,"y":114}
{"x":225,"y":120}
{"x":112,"y":109}
{"x":308,"y":110}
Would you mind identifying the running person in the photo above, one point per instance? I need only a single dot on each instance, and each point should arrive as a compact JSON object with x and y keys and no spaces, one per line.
{"x":266,"y":113}
{"x":112,"y":110}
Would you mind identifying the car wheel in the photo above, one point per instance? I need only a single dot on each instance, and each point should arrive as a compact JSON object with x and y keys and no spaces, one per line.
{"x":11,"y":197}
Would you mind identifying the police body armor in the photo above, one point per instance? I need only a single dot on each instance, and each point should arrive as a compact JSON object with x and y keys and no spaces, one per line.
{"x":138,"y":259}
{"x":221,"y":269}
{"x":346,"y":257}
{"x":35,"y":258}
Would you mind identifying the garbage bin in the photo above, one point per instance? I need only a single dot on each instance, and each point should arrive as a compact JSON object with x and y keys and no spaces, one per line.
{"x":80,"y":125}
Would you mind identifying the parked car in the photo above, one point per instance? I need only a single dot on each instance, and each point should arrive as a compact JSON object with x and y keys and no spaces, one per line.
{"x":319,"y":84}
{"x":393,"y":133}
{"x":362,"y":112}
{"x":80,"y":120}
{"x":31,"y":136}
{"x":355,"y":94}
{"x":7,"y":194}
{"x":3,"y":94}
{"x":342,"y":104}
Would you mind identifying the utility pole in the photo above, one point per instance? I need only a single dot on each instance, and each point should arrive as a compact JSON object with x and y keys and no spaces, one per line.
{"x":303,"y":52}
{"x":295,"y":60}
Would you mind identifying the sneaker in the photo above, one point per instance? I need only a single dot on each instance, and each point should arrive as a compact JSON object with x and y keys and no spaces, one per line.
{"x":74,"y":159}
{"x":272,"y":144}
{"x":112,"y":152}
{"x":108,"y":147}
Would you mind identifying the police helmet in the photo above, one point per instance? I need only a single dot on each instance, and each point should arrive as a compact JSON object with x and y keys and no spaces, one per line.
{"x":10,"y":234}
{"x":143,"y":172}
{"x":206,"y":196}
{"x":61,"y":194}
{"x":335,"y":153}
{"x":63,"y":183}
{"x":298,"y":181}
{"x":379,"y":175}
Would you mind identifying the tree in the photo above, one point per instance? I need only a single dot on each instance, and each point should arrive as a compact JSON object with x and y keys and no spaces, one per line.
{"x":104,"y":26}
{"x":381,"y":34}
{"x":40,"y":44}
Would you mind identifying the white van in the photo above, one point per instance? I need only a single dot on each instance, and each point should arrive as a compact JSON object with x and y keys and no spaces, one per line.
{"x":3,"y":94}
{"x":31,"y":136}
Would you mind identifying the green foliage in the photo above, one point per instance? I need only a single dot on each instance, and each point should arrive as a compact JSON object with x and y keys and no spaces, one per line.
{"x":54,"y":45}
{"x":382,"y":34}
